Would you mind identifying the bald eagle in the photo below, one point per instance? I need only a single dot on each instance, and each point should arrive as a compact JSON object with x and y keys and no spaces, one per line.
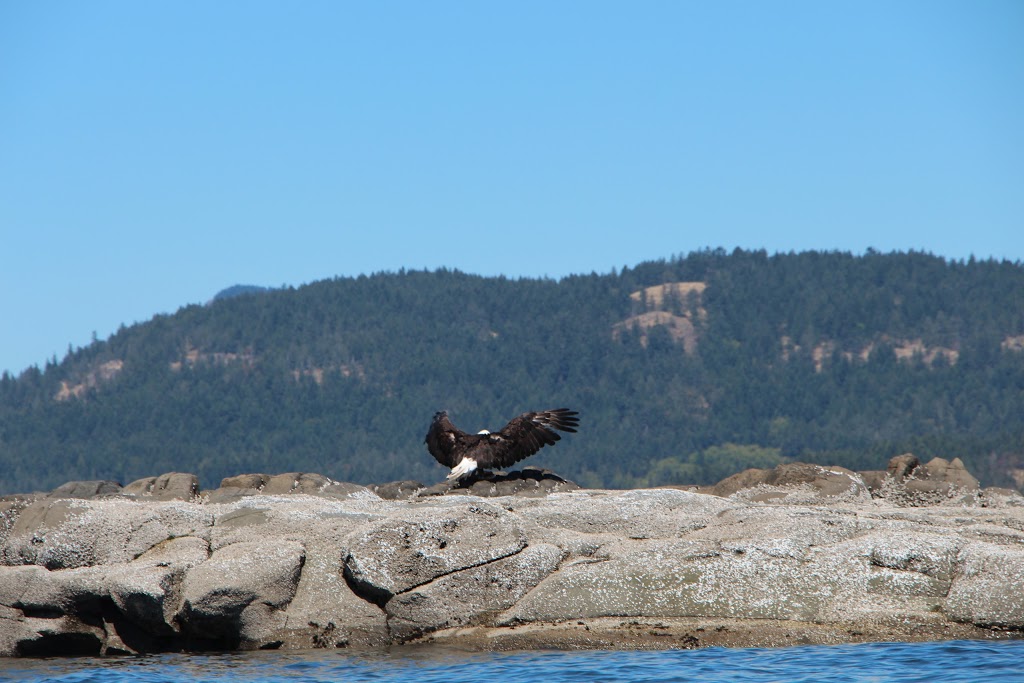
{"x":521,"y":437}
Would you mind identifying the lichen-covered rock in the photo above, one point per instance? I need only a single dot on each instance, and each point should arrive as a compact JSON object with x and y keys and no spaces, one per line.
{"x":324,"y":611}
{"x":908,"y":483}
{"x":685,"y":579}
{"x":397,"y":490}
{"x":471,"y":596}
{"x":409,"y":550}
{"x":169,"y":486}
{"x":251,"y":482}
{"x":327,"y":564}
{"x":795,"y":483}
{"x":296,"y":482}
{"x":85,"y":489}
{"x":529,"y":482}
{"x":146,"y":590}
{"x":69,"y":533}
{"x":175,"y":486}
{"x":902,"y":466}
{"x":139,"y":487}
{"x":657,"y":513}
{"x":237,"y":596}
{"x":989,"y":589}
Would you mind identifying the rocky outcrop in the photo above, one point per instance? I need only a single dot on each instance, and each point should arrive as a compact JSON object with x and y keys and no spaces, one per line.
{"x":797,"y":554}
{"x":905,"y":483}
{"x":795,"y":483}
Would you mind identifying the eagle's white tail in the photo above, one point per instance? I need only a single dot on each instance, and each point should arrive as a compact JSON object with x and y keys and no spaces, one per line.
{"x":466,"y":466}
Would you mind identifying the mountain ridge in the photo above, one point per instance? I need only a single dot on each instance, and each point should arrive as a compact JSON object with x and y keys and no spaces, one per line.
{"x":684,"y":370}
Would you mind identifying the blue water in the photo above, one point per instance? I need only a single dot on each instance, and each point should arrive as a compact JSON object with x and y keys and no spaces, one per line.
{"x":974,"y":661}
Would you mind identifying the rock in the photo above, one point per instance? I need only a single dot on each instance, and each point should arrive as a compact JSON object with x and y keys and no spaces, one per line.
{"x":38,"y":536}
{"x":325,"y":612}
{"x":296,"y":482}
{"x":990,"y":591}
{"x":175,"y":486}
{"x":795,"y":554}
{"x":146,"y":595}
{"x":235,"y":598}
{"x":68,"y":533}
{"x":470,"y":595}
{"x":85,"y":489}
{"x":397,"y":490}
{"x":139,"y":487}
{"x":341,"y":489}
{"x":901,"y":466}
{"x":170,"y":486}
{"x":993,"y":496}
{"x":952,"y":473}
{"x":747,"y":479}
{"x":882,"y":482}
{"x":937,"y":482}
{"x":874,"y":480}
{"x":233,"y":488}
{"x":595,"y":515}
{"x":249,"y":482}
{"x":795,"y":483}
{"x":530,"y":481}
{"x":403,"y":552}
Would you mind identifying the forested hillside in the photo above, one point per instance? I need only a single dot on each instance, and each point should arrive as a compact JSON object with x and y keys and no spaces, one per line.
{"x":684,"y":371}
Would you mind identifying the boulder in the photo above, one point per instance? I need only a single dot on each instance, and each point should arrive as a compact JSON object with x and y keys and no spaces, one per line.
{"x":902,"y":466}
{"x":247,"y":482}
{"x":530,"y":482}
{"x":169,"y":486}
{"x":409,"y":550}
{"x":874,"y":480}
{"x":994,"y":496}
{"x":233,"y":488}
{"x":470,"y":596}
{"x":86,"y":489}
{"x":950,"y":472}
{"x":990,"y":588}
{"x":139,"y":487}
{"x":324,"y":611}
{"x":70,"y":533}
{"x":909,"y":483}
{"x":236,"y":597}
{"x":145,"y":590}
{"x":795,"y":483}
{"x":795,"y":554}
{"x":175,"y":486}
{"x":397,"y":490}
{"x":296,"y":482}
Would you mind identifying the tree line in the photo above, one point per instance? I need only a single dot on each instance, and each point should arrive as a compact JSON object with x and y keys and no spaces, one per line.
{"x":800,"y":356}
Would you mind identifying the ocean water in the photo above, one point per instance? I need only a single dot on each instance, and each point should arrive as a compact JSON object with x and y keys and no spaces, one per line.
{"x":972,"y":661}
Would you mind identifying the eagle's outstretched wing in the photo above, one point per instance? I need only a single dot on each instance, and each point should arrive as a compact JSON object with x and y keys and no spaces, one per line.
{"x":442,"y":438}
{"x":525,"y":435}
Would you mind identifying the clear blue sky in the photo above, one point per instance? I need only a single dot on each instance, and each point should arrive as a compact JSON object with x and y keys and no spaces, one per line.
{"x":153,"y":153}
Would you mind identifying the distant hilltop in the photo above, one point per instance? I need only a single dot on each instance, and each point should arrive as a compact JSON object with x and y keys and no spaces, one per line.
{"x":239,"y":290}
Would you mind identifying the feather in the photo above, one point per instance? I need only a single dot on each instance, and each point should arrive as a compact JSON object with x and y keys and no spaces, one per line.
{"x":520,"y":438}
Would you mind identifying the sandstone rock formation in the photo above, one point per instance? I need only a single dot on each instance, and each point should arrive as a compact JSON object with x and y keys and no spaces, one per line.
{"x":797,"y":554}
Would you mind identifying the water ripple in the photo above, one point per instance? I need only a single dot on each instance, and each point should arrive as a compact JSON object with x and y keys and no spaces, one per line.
{"x":948,"y":662}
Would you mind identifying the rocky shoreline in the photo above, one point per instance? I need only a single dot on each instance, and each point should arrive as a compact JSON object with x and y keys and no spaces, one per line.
{"x":798,"y":554}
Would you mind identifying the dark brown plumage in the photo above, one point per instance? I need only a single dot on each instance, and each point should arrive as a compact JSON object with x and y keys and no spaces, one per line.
{"x":520,"y":438}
